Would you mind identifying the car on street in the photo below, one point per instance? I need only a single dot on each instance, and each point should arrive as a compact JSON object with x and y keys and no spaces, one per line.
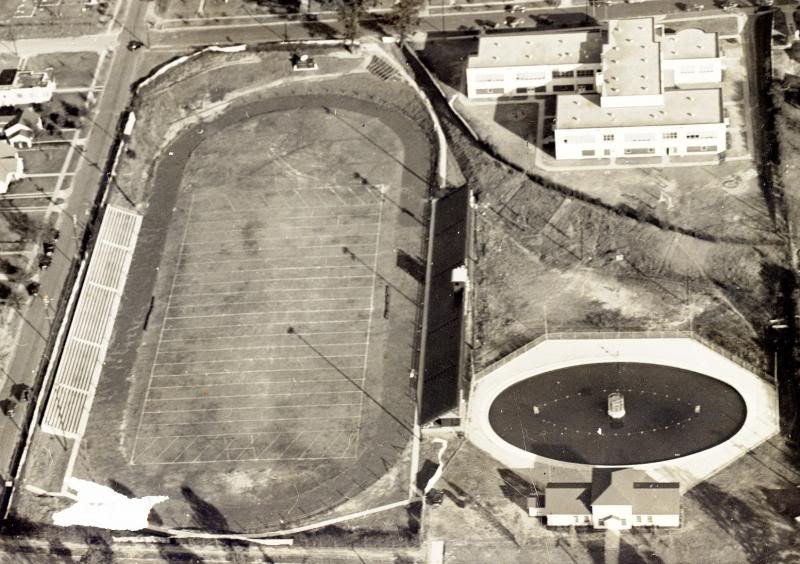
{"x":134,"y":45}
{"x":48,"y":247}
{"x":45,"y":261}
{"x":511,"y":21}
{"x":32,"y":288}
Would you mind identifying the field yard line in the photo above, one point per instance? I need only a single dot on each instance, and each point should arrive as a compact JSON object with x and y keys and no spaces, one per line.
{"x":239,"y":421}
{"x":265,"y":394}
{"x":281,"y":240}
{"x":259,"y":214}
{"x":233,"y":434}
{"x":270,"y":347}
{"x":232,"y":409}
{"x":254,"y":371}
{"x":289,"y":208}
{"x":264,"y":335}
{"x":228,"y":282}
{"x":163,"y":324}
{"x":247,"y":252}
{"x":286,"y":301}
{"x":292,"y":381}
{"x":267,"y":324}
{"x":253,"y":358}
{"x":227,"y":461}
{"x":269,"y":291}
{"x":268,"y":312}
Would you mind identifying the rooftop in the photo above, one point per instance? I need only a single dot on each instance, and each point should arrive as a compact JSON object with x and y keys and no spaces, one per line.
{"x":631,"y":59}
{"x":527,"y":49}
{"x":681,"y":107}
{"x":568,"y":498}
{"x":624,"y":486}
{"x":12,"y":78}
{"x":689,"y":44}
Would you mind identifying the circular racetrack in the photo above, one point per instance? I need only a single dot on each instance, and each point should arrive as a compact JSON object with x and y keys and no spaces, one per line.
{"x":661,"y":420}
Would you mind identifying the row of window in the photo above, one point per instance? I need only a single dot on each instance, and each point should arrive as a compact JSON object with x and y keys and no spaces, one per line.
{"x":537,"y":75}
{"x":666,"y":135}
{"x":587,"y":519}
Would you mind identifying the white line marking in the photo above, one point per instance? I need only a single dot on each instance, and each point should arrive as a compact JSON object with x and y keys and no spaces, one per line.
{"x":163,"y":324}
{"x":254,"y":358}
{"x":270,"y":312}
{"x":257,"y":384}
{"x":266,"y":394}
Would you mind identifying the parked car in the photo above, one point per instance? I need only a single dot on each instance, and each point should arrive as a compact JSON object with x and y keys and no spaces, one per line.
{"x":45,"y":261}
{"x":133,"y":45}
{"x":511,"y":21}
{"x":48,"y":247}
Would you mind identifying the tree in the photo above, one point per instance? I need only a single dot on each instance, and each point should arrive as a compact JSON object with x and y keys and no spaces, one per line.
{"x":405,"y":16}
{"x":350,"y":13}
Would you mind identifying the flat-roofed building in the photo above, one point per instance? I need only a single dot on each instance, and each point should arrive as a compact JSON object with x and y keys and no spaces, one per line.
{"x":19,"y":88}
{"x":527,"y":63}
{"x":630,"y":62}
{"x":688,"y":122}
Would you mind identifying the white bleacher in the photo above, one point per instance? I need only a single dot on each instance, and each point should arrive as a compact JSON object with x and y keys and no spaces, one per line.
{"x":89,"y":334}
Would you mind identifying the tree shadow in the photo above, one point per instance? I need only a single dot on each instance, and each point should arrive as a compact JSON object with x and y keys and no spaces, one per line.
{"x":754,"y":533}
{"x":411,"y":265}
{"x":121,"y":488}
{"x":516,"y":488}
{"x":206,"y":515}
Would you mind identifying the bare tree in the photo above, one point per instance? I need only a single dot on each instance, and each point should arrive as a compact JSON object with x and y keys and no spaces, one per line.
{"x":350,"y":14}
{"x":405,"y":17}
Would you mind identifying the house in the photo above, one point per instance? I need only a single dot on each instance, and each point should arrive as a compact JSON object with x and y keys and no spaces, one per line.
{"x":10,"y":166}
{"x":618,"y":498}
{"x":21,"y":128}
{"x":18,"y":88}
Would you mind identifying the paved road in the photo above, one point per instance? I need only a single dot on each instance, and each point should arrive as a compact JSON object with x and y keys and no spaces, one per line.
{"x":453,"y":19}
{"x":38,"y":318}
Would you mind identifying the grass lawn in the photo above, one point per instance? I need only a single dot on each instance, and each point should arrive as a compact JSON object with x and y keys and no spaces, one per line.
{"x":70,"y":70}
{"x":45,"y":159}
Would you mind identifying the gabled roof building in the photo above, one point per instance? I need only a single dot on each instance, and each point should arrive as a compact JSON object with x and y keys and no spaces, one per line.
{"x":618,"y":498}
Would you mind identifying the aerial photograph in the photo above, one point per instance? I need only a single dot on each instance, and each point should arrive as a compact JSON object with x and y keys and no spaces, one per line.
{"x":400,"y":281}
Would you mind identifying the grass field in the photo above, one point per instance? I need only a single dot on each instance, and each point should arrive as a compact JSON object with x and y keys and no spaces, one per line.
{"x":229,"y":382}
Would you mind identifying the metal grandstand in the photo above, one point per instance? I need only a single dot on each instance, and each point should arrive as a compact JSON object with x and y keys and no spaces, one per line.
{"x":78,"y":372}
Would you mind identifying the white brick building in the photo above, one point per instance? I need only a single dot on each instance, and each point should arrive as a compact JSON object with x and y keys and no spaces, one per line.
{"x":18,"y":88}
{"x":631,"y":90}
